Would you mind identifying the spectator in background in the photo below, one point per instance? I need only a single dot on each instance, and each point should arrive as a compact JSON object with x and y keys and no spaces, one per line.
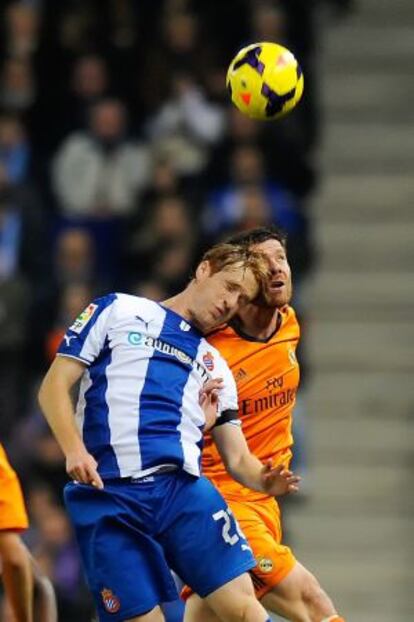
{"x":17,"y":86}
{"x":22,"y":257}
{"x":185,"y":126}
{"x":13,"y":326}
{"x":172,"y":265}
{"x":225,"y":210}
{"x":75,"y":260}
{"x":164,"y":246}
{"x":88,"y":85}
{"x":15,"y":150}
{"x":21,"y":32}
{"x":179,"y":48}
{"x":98,"y":172}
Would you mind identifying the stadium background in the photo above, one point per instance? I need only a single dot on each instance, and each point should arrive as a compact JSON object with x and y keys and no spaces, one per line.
{"x":120,"y":160}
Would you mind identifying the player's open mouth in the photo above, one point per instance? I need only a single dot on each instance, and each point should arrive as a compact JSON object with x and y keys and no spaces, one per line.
{"x":277,"y":285}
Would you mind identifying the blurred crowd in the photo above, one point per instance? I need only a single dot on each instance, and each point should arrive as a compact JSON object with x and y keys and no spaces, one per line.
{"x":121,"y":159}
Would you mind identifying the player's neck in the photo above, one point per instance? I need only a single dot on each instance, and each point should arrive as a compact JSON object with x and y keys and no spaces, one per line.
{"x":258,"y":322}
{"x":178,"y":304}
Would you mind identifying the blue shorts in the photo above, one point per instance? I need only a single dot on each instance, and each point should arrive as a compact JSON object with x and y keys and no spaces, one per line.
{"x":131,"y":533}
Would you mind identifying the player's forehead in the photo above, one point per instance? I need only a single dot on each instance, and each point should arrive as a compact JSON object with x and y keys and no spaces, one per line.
{"x":241,"y":277}
{"x":270,"y":248}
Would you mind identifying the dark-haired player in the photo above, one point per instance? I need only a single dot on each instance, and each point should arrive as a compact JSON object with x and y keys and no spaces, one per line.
{"x":259,"y":346}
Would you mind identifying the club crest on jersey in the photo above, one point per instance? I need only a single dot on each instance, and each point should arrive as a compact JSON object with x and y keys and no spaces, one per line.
{"x":208,"y":361}
{"x":83,"y":318}
{"x":265,"y":564}
{"x":110,"y":601}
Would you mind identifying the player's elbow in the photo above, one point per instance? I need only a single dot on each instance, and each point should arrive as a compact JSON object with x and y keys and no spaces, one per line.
{"x":43,"y":393}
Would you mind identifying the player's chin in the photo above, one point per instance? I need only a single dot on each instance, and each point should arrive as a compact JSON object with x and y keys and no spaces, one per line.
{"x":277,"y":298}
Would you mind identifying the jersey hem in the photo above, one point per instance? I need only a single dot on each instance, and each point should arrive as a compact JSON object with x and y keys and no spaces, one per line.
{"x":147,"y":472}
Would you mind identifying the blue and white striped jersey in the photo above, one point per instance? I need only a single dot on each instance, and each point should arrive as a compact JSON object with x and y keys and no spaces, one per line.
{"x":138,"y":401}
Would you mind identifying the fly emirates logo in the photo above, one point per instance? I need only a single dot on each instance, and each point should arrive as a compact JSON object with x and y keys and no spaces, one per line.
{"x":270,"y":399}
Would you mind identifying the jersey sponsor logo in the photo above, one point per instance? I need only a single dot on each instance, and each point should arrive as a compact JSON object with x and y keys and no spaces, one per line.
{"x":166,"y":348}
{"x":134,"y":338}
{"x":274,"y":383}
{"x":138,"y":339}
{"x":265,"y":564}
{"x":83,"y":318}
{"x":208,"y":361}
{"x":272,"y":401}
{"x":110,"y":601}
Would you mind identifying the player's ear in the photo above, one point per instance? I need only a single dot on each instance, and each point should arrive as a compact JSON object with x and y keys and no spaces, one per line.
{"x":203,"y":270}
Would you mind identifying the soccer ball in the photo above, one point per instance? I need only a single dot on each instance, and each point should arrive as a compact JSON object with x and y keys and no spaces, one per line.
{"x":265,"y":81}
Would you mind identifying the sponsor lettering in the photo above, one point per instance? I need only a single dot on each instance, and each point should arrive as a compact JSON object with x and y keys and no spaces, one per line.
{"x":272,"y":401}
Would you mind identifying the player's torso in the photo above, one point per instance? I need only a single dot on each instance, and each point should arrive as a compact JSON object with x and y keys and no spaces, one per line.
{"x":151,"y":358}
{"x":267,"y":378}
{"x":138,"y":402}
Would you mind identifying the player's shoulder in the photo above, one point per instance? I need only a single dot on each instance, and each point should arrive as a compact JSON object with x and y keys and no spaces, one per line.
{"x":211,"y":357}
{"x":128,"y":304}
{"x":222,"y":335}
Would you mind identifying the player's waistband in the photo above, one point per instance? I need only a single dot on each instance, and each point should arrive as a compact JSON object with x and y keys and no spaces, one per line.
{"x":148,"y":476}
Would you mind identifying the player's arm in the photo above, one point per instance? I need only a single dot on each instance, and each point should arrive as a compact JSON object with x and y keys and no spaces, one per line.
{"x":56,"y":403}
{"x":244,"y":467}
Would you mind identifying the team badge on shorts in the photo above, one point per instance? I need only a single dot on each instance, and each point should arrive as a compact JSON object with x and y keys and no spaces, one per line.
{"x":265,"y":564}
{"x":110,"y":601}
{"x":208,"y":361}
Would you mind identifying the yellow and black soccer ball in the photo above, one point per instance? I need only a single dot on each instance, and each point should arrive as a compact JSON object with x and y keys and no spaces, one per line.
{"x":265,"y":81}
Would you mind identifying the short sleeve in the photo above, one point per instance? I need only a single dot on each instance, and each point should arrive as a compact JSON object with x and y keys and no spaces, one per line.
{"x":228,"y":395}
{"x":85,"y":338}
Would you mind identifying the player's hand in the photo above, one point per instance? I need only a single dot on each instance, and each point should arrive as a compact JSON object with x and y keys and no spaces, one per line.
{"x":208,"y":400}
{"x":82,"y":467}
{"x":279,"y":480}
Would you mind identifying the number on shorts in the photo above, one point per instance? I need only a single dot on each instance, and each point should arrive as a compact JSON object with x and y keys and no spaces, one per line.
{"x":226,"y":515}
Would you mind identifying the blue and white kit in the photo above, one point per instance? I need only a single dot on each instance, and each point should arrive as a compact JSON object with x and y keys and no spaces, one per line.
{"x":139,"y":415}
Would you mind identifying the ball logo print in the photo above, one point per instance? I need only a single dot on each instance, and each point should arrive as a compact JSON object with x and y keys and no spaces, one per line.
{"x":251,"y":58}
{"x":265,"y":81}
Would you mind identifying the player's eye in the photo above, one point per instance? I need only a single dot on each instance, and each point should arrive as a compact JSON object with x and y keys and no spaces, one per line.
{"x":232,"y":287}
